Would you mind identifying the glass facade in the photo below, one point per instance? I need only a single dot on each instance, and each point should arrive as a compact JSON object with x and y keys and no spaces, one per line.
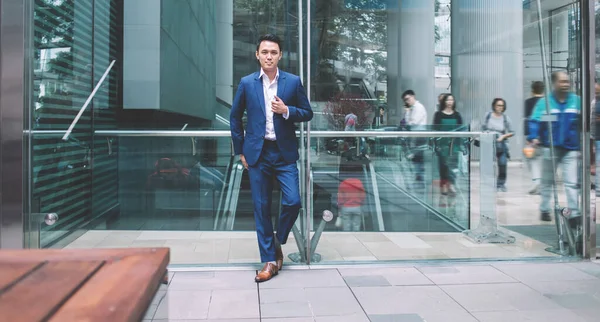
{"x":127,"y":111}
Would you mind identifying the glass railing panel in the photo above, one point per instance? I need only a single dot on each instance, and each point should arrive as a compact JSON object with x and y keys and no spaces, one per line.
{"x":400,"y":182}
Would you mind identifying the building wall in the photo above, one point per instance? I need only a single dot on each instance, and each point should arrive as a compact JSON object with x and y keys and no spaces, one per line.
{"x":187,"y":46}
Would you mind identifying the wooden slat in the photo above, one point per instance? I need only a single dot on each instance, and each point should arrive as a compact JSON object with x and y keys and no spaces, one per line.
{"x":120,"y":291}
{"x":107,"y":254}
{"x":12,"y":272}
{"x":42,"y":292}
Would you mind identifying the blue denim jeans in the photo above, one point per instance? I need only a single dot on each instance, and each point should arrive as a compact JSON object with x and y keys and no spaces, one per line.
{"x":569,"y":160}
{"x":502,"y":163}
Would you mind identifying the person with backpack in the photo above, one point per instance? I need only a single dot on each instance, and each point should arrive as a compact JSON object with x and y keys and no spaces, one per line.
{"x":497,"y":121}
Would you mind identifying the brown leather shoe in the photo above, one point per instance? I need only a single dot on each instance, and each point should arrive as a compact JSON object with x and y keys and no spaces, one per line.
{"x":279,"y":257}
{"x":266,"y":273}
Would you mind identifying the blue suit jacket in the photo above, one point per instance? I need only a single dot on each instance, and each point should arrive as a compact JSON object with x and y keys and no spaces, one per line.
{"x":249,"y":97}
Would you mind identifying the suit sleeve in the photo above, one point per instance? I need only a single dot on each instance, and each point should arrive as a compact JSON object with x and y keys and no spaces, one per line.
{"x":302,"y":112}
{"x":235,"y":119}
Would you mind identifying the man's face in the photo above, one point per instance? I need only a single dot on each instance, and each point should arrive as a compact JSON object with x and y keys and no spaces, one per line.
{"x":409,"y":100}
{"x":562,"y":83}
{"x":597,"y":89}
{"x":381,"y":111}
{"x":268,"y":55}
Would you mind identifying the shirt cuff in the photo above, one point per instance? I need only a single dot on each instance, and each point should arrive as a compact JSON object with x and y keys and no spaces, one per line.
{"x":287,"y":114}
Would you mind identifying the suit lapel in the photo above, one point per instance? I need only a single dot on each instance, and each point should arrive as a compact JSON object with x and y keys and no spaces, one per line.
{"x":258,"y":86}
{"x":281,"y":84}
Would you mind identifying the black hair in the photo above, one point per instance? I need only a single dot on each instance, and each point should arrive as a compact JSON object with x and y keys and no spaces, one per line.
{"x":556,"y":73}
{"x":496,"y":100}
{"x":538,"y":87}
{"x":269,"y":37}
{"x":408,"y":92}
{"x":443,"y":102}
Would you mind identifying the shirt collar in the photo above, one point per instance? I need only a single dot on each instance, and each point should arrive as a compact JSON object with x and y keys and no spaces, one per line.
{"x":262,"y":72}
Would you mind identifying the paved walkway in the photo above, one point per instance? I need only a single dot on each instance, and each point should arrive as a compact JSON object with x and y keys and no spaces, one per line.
{"x":443,"y":292}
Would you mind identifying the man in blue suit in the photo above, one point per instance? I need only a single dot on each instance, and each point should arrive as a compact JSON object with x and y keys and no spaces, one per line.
{"x":274,"y":100}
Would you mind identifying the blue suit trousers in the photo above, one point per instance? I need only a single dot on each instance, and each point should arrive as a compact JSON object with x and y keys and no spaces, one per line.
{"x":272,"y":164}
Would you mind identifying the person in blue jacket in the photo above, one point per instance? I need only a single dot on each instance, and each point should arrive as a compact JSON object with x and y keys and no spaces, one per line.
{"x":565,"y":108}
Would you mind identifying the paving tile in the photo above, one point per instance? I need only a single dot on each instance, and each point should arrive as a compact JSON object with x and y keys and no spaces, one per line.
{"x":305,"y":278}
{"x":234,"y":304}
{"x":589,"y":287}
{"x":465,"y":275}
{"x":372,"y":237}
{"x":588,"y":268}
{"x":160,"y":294}
{"x":184,"y":305}
{"x":530,"y":316}
{"x":220,"y":280}
{"x":359,"y":258}
{"x":165,"y":234}
{"x":351,"y":249}
{"x":150,"y":312}
{"x":148,"y":243}
{"x":452,"y":316}
{"x":332,"y":301}
{"x":373,"y":280}
{"x":590,"y":315}
{"x":498,"y":297}
{"x":123,"y":235}
{"x":283,"y":303}
{"x":394,"y":275}
{"x":92,"y":235}
{"x":543,"y":272}
{"x":406,"y":299}
{"x":395,"y":318}
{"x":404,"y":240}
{"x":218,"y":320}
{"x":244,"y":249}
{"x":358,"y":317}
{"x":575,"y":301}
{"x":285,"y":319}
{"x":282,"y":295}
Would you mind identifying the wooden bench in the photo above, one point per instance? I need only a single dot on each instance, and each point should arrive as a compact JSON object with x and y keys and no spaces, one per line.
{"x":79,"y":284}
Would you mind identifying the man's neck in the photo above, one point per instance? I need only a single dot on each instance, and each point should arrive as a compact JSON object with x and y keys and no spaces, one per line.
{"x":561,"y":96}
{"x":271,"y":74}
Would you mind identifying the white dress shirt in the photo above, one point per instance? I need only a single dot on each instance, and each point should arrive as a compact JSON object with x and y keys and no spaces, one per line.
{"x":417,"y":116}
{"x":269,"y":92}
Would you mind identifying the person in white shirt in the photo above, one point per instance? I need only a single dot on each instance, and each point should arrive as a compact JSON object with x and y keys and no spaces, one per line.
{"x":416,"y":119}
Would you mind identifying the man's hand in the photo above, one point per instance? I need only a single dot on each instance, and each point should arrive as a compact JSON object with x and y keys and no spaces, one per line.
{"x":278,"y":106}
{"x":244,"y":163}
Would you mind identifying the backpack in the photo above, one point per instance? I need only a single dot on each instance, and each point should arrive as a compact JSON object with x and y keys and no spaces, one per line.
{"x":487,"y":119}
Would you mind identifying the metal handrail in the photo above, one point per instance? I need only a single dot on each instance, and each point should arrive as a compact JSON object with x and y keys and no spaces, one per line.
{"x":87,"y":102}
{"x":320,"y":134}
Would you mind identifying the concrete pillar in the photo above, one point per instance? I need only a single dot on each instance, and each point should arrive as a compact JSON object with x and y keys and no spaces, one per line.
{"x":411,"y":54}
{"x":487,"y":60}
{"x":224,"y":39}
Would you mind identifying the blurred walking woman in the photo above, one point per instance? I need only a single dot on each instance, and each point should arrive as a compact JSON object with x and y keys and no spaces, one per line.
{"x":498,"y":122}
{"x":447,"y":119}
